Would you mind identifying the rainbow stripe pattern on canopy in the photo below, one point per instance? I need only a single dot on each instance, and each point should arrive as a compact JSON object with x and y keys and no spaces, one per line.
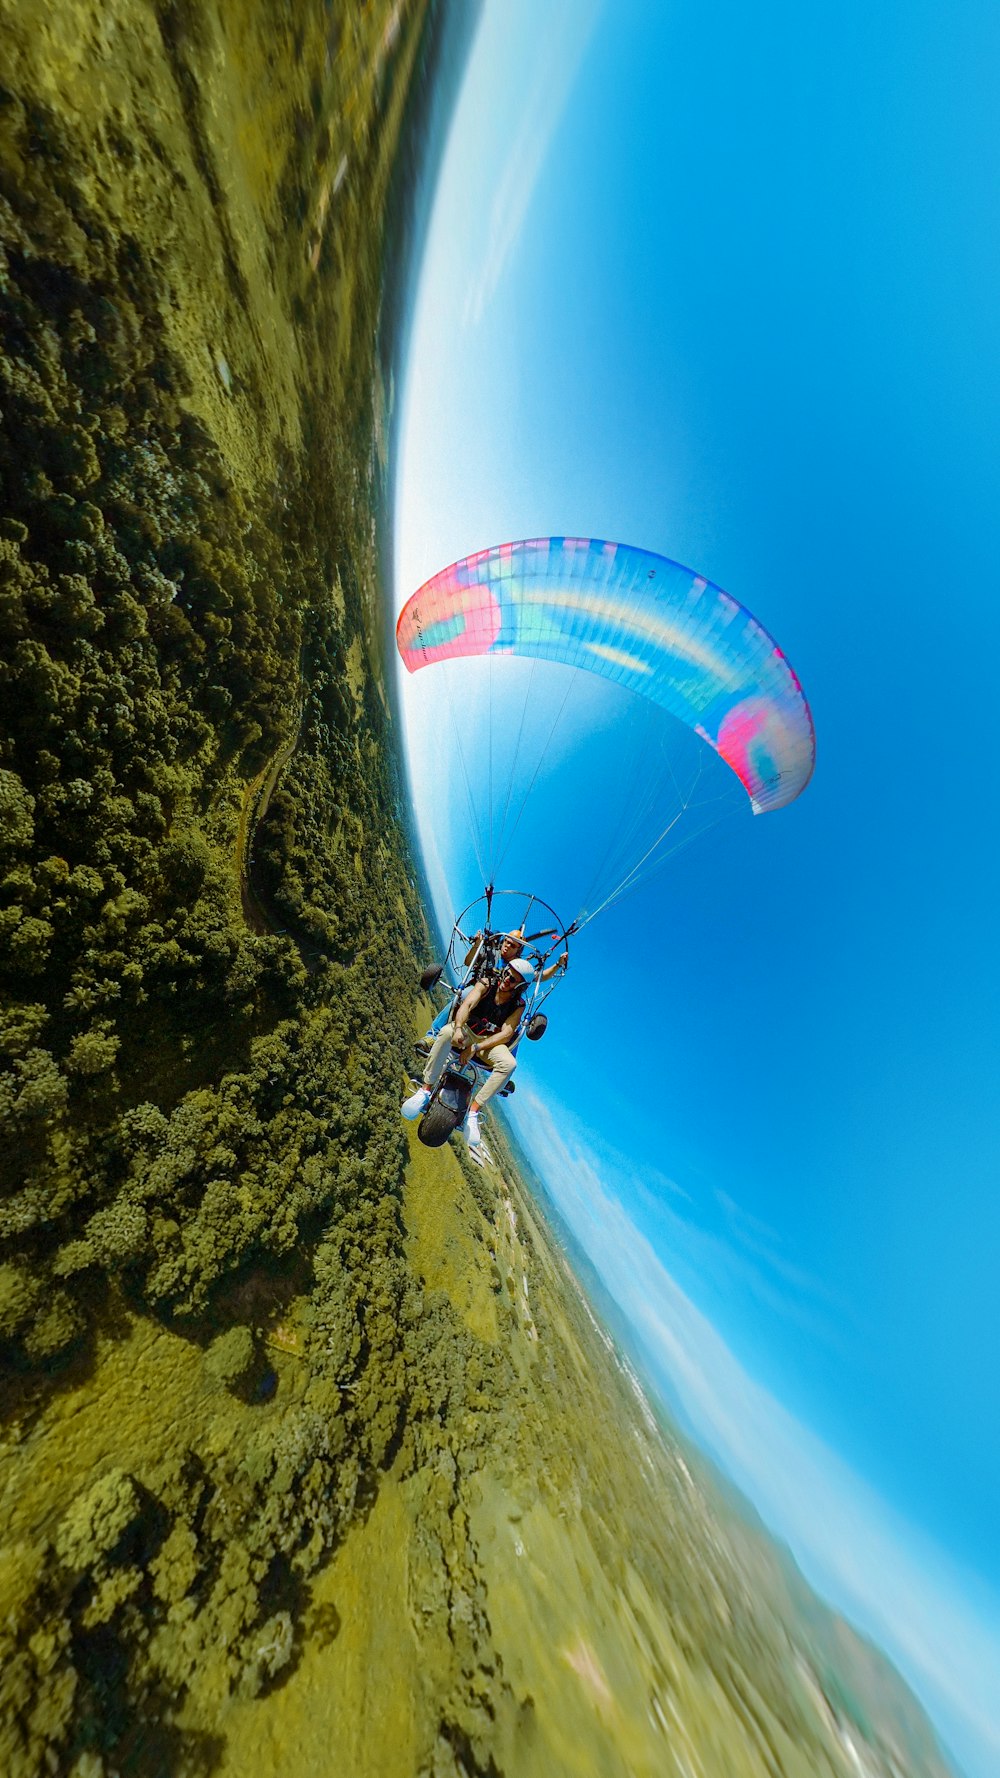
{"x":637,"y":618}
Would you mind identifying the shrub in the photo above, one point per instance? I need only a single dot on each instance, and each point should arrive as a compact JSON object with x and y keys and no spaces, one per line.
{"x":17,"y":808}
{"x":93,"y":1052}
{"x":18,"y":1295}
{"x":230,"y":1356}
{"x":97,"y":1521}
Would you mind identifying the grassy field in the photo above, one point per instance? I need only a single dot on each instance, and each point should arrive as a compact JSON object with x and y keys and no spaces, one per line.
{"x":313,"y":1457}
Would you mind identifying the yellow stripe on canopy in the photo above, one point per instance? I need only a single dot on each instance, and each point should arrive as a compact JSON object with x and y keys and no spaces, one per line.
{"x":618,"y":657}
{"x":666,"y":635}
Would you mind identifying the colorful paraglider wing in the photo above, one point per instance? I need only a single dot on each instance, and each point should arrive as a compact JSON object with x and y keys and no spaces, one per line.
{"x":640,"y":619}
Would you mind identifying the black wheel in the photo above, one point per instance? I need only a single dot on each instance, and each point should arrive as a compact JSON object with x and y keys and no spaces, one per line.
{"x":437,"y":1124}
{"x":506,"y":1091}
{"x":537,"y":1027}
{"x":431,"y":976}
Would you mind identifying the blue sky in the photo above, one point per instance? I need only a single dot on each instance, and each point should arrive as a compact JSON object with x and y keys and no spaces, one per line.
{"x":723,"y":283}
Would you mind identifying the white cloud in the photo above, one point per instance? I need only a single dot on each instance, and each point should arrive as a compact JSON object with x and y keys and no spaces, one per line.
{"x":566,"y":32}
{"x":763,"y":1244}
{"x":937,"y":1623}
{"x":744,"y":1257}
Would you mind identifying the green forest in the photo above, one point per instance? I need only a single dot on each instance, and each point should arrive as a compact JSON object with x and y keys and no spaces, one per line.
{"x":313,"y":1457}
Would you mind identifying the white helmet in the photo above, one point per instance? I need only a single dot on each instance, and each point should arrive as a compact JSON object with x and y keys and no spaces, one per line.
{"x":524,"y":969}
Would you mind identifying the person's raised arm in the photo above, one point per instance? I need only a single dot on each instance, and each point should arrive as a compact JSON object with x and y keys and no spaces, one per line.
{"x":560,"y":963}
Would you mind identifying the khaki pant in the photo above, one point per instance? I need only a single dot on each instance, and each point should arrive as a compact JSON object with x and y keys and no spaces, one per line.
{"x":500,"y":1058}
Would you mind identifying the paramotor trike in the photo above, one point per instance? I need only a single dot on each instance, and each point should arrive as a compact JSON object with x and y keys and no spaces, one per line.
{"x":474,"y":955}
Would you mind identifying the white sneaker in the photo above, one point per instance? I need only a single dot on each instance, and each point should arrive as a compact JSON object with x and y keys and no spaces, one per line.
{"x":470,"y":1128}
{"x":417,"y":1103}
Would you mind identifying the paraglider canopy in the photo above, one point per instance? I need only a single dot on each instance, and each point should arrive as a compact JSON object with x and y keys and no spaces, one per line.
{"x":631,"y":616}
